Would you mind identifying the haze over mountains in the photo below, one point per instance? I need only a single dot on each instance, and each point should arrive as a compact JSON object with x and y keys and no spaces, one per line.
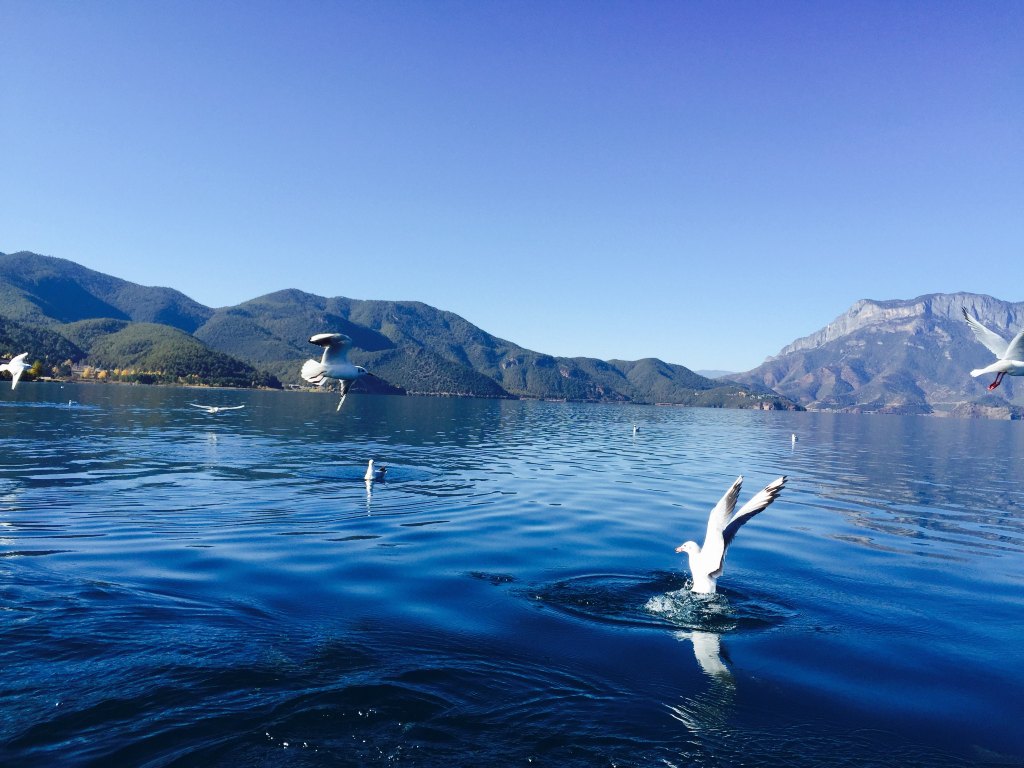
{"x":901,"y":356}
{"x":61,"y":310}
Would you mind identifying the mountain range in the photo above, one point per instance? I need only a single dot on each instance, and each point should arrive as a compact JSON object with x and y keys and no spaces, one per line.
{"x":898,"y":356}
{"x":65,"y":313}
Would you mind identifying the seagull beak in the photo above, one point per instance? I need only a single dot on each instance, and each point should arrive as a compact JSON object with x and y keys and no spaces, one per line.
{"x":680,"y":548}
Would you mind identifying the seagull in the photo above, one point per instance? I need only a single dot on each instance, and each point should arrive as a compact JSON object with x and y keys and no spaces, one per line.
{"x":707,"y":562}
{"x":1011,"y":355}
{"x":16,"y":367}
{"x":374,"y":474}
{"x":217,"y":408}
{"x":635,"y":429}
{"x":334,"y":364}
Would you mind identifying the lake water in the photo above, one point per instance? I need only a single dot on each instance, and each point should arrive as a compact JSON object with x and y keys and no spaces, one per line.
{"x":183,"y":589}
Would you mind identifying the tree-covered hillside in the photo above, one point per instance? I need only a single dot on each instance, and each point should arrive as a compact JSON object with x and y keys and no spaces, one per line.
{"x":159,"y":353}
{"x":41,"y":344}
{"x":47,"y":291}
{"x":409,"y":345}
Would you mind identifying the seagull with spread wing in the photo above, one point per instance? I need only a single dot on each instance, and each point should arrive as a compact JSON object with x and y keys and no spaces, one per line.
{"x":16,"y":367}
{"x":707,"y":562}
{"x":334,"y":364}
{"x":217,"y":408}
{"x":1010,"y":354}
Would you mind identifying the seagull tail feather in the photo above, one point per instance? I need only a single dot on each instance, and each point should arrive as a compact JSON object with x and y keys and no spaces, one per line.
{"x":313,"y":371}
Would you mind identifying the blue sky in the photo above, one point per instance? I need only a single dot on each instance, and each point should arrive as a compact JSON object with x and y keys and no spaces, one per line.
{"x":697,"y":181}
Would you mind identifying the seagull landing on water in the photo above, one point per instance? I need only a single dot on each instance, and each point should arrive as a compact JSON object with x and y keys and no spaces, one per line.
{"x":707,"y":562}
{"x":374,"y":474}
{"x":334,"y":364}
{"x":1011,"y":355}
{"x":217,"y":408}
{"x":16,"y":367}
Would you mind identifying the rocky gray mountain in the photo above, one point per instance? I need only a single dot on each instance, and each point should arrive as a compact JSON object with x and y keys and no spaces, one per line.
{"x":900,"y":356}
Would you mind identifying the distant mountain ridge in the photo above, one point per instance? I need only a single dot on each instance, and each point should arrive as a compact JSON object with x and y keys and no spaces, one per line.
{"x":413,"y":346}
{"x":899,"y":356}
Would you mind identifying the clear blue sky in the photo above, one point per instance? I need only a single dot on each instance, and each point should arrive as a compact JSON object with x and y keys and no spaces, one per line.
{"x":697,"y":181}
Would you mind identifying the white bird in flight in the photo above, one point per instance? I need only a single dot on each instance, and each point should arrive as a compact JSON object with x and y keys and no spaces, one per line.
{"x":374,"y":474}
{"x":16,"y":367}
{"x":707,"y":562}
{"x":334,"y":364}
{"x":1010,"y":354}
{"x":217,"y":408}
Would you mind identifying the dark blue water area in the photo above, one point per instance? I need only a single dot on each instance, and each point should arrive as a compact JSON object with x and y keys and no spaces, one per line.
{"x":180,"y":588}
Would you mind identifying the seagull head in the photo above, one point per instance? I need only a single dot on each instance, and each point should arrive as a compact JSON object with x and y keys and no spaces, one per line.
{"x":689,"y":547}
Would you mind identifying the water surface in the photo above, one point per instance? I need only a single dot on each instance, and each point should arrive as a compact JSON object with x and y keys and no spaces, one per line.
{"x":179,"y":588}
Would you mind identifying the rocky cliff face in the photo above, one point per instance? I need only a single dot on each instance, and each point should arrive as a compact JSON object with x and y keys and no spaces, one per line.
{"x":912,"y":315}
{"x":911,"y":356}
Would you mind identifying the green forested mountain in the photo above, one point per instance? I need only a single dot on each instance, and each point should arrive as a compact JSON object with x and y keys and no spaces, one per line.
{"x":42,"y":344}
{"x":46,"y":291}
{"x":412,"y":346}
{"x":423,"y":349}
{"x":160,"y":353}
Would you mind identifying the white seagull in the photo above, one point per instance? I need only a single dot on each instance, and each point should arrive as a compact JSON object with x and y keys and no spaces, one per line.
{"x":16,"y":367}
{"x":334,"y":364}
{"x":707,"y":562}
{"x":217,"y":408}
{"x":374,"y":474}
{"x":1011,"y":355}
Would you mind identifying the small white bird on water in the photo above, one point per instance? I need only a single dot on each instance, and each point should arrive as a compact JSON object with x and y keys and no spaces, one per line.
{"x":16,"y":367}
{"x":1010,"y":354}
{"x":217,"y":408}
{"x":707,"y":562}
{"x":374,"y":474}
{"x":334,"y":364}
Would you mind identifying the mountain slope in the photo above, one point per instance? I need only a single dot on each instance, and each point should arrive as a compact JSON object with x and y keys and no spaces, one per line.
{"x":912,"y":356}
{"x":411,"y":345}
{"x":427,"y":350}
{"x":165,"y":354}
{"x":46,"y":291}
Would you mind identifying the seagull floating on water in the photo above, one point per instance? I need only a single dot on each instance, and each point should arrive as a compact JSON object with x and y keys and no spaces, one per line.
{"x":217,"y":408}
{"x":334,"y":364}
{"x":16,"y":367}
{"x":374,"y":474}
{"x":1010,"y":354}
{"x":707,"y":562}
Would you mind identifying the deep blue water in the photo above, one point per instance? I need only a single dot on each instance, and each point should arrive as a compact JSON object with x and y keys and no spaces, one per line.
{"x":184,"y":589}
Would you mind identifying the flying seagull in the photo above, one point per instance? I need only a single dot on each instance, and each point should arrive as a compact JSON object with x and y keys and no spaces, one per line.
{"x":1011,"y":355}
{"x":217,"y":408}
{"x":334,"y":364}
{"x":374,"y":474}
{"x":707,"y":562}
{"x":16,"y":367}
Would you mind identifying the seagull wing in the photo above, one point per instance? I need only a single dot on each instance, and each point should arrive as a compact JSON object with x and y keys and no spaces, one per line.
{"x":231,"y":407}
{"x":758,"y":503}
{"x":995,"y":343}
{"x":713,"y":551}
{"x":207,"y":408}
{"x":17,"y":367}
{"x":335,"y":346}
{"x":1015,"y":349}
{"x":346,"y":384}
